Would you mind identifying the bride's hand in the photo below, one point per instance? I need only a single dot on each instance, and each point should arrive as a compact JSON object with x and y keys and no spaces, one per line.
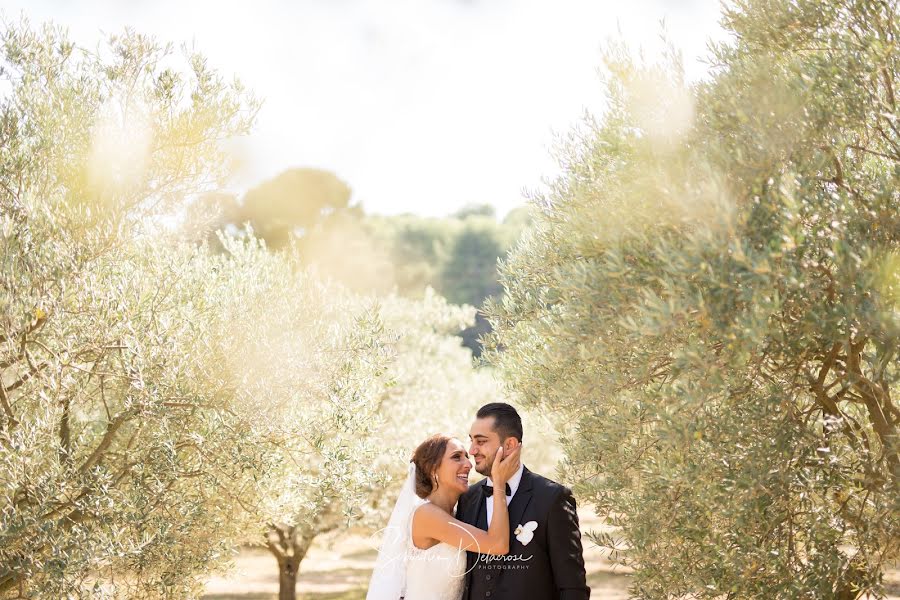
{"x":505,"y":467}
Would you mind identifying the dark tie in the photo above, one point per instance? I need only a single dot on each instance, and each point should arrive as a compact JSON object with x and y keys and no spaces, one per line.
{"x":489,"y":490}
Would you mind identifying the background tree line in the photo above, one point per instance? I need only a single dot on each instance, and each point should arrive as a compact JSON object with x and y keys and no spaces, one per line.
{"x":311,"y":211}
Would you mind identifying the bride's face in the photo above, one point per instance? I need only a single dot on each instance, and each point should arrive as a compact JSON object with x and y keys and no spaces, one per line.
{"x":453,"y":473}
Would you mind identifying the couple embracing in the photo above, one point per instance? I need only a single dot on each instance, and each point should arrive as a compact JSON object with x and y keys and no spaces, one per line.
{"x":512,"y":536}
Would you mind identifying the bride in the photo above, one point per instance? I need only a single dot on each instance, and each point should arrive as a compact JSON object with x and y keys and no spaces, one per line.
{"x":423,"y":552}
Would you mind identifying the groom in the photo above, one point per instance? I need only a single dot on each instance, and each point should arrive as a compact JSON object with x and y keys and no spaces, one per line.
{"x":544,"y":560}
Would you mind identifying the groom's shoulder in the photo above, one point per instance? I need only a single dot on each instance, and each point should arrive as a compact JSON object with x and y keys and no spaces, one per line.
{"x":547,"y":486}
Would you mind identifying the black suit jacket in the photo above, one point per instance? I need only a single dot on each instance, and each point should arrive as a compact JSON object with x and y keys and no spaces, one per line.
{"x":550,"y":566}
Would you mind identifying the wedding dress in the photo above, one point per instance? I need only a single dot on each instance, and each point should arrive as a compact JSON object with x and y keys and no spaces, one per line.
{"x":437,"y":573}
{"x":404,"y":571}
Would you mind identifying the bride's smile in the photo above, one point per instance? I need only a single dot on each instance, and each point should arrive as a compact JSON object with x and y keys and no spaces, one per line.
{"x":453,"y":472}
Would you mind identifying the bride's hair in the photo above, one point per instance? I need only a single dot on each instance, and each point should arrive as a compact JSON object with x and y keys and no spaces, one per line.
{"x":427,"y":458}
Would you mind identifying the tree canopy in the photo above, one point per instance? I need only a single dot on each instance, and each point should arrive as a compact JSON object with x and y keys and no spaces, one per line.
{"x":296,"y":199}
{"x":147,"y":386}
{"x":710,"y":296}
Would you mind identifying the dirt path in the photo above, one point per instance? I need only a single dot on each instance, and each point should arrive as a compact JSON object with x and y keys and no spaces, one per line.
{"x":338,"y":568}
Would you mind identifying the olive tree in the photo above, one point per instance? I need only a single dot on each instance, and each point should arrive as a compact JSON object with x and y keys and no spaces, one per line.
{"x":711,"y":295}
{"x":312,"y":360}
{"x":147,"y":386}
{"x":436,"y":387}
{"x":352,"y":478}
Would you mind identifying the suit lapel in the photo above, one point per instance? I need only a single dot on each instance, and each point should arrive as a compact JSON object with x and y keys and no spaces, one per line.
{"x":481,"y":510}
{"x":474,"y":509}
{"x":520,"y":501}
{"x":517,"y":507}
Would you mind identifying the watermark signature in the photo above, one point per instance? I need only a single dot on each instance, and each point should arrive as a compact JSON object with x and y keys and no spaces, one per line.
{"x":399,"y":536}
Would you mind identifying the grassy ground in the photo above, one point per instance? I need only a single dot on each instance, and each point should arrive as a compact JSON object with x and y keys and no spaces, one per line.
{"x":338,"y":569}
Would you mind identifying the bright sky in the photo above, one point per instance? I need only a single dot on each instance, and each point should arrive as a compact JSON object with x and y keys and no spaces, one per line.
{"x":421,"y":106}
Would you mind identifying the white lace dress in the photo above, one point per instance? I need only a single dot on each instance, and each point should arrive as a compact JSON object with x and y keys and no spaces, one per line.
{"x":438,"y":573}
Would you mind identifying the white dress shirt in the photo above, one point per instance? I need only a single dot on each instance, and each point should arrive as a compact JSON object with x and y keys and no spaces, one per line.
{"x":513,"y":486}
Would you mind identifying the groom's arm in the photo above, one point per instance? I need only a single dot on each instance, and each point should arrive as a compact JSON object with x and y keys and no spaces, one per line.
{"x":564,"y":545}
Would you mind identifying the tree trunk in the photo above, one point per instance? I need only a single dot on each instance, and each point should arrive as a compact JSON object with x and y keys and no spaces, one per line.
{"x":287,"y":577}
{"x":289,"y":546}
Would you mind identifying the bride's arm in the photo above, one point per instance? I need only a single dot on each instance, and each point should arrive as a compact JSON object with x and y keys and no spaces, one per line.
{"x":432,"y":522}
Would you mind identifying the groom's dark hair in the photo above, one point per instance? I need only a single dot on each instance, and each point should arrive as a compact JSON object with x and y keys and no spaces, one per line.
{"x":507,"y":422}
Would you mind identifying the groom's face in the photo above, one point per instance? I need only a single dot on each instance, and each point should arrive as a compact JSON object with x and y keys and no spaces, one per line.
{"x":484,"y":444}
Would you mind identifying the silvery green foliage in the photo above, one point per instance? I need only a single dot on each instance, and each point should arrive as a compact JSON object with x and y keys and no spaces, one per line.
{"x":147,"y":388}
{"x":434,"y":388}
{"x":711,"y":296}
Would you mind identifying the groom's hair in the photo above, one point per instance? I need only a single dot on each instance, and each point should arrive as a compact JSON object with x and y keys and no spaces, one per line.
{"x":507,"y":422}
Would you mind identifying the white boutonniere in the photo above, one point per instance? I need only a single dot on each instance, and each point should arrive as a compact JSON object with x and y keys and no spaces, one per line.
{"x":525,"y":532}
